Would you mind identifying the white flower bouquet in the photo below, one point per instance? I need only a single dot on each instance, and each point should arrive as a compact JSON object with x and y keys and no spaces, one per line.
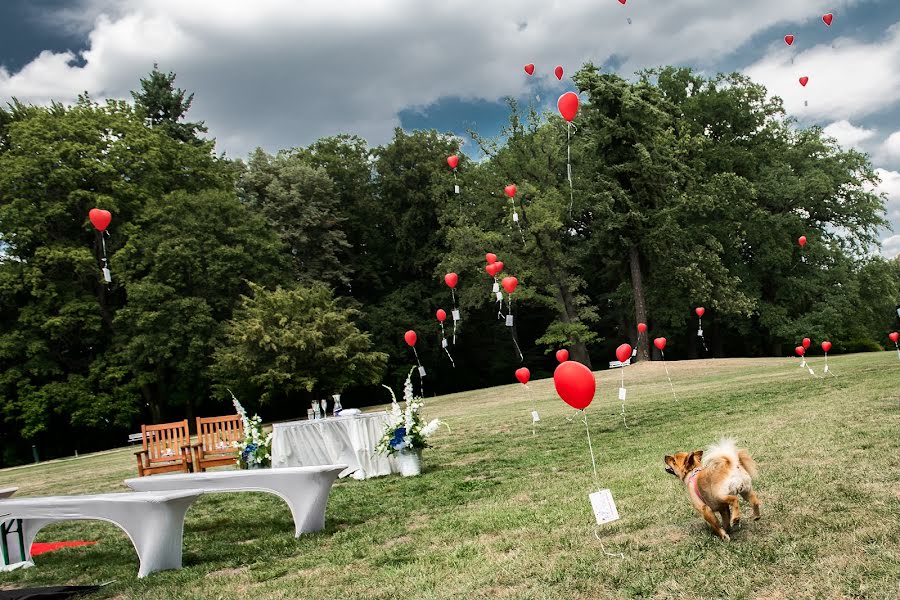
{"x":255,"y":448}
{"x":406,"y":430}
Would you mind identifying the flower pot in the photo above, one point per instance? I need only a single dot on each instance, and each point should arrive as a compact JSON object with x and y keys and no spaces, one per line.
{"x":410,"y":462}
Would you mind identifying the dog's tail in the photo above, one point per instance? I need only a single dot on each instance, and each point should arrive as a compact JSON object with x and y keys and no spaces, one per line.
{"x":747,"y":462}
{"x":726,"y":454}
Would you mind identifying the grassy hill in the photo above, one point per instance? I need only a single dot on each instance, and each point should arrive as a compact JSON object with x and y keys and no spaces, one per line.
{"x":499,"y":512}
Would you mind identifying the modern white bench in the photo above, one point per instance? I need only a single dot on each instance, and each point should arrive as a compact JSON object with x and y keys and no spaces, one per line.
{"x":304,"y":489}
{"x":154,"y":522}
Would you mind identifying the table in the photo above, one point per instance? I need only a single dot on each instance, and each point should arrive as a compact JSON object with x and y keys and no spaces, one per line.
{"x":305,"y":489}
{"x":337,"y":440}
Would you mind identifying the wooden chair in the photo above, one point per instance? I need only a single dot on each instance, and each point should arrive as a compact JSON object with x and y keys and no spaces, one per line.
{"x":214,"y":447}
{"x":165,"y":447}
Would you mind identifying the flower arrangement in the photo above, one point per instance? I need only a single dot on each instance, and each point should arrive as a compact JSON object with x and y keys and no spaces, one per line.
{"x":406,"y":429}
{"x":255,"y":448}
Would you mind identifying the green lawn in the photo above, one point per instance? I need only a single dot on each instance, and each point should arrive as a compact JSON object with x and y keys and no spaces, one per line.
{"x":499,"y":512}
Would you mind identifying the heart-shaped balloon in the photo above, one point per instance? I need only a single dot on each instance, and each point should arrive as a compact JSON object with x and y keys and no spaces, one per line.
{"x":806,"y":342}
{"x":562,"y":355}
{"x":100,"y":218}
{"x":453,"y":161}
{"x":410,"y":337}
{"x":558,"y":71}
{"x":523,"y":375}
{"x":642,"y":328}
{"x":568,"y":105}
{"x":498,"y":267}
{"x":623,"y":352}
{"x":700,"y":311}
{"x":828,"y":18}
{"x":441,"y":315}
{"x":622,"y":1}
{"x":801,"y":240}
{"x":826,"y":346}
{"x":804,"y":80}
{"x":660,"y":343}
{"x":529,"y":68}
{"x":575,"y":384}
{"x":490,"y":257}
{"x":800,"y":350}
{"x":490,"y":269}
{"x":789,"y":40}
{"x":510,"y":190}
{"x":451,"y":279}
{"x":894,"y":336}
{"x":509,"y":284}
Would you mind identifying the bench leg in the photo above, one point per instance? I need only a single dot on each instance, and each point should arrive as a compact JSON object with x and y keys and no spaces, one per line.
{"x":157,"y":532}
{"x":307,"y":499}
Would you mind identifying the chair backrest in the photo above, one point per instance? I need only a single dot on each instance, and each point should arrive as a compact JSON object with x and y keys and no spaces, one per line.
{"x":166,"y":440}
{"x":217,"y":433}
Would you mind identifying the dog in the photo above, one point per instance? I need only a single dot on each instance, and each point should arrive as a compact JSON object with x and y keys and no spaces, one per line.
{"x":714,"y":479}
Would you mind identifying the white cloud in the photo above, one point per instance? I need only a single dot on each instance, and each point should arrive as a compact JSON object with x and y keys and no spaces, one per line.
{"x":890,"y":187}
{"x":852,"y":80}
{"x":890,"y":247}
{"x":283,"y":73}
{"x":891,"y":147}
{"x":848,"y":135}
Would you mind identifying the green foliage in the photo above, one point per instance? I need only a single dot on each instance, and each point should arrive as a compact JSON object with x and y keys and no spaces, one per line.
{"x":163,"y":106}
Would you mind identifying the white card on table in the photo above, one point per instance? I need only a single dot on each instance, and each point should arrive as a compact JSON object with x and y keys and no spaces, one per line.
{"x":515,"y":217}
{"x":421,"y":371}
{"x":509,"y":320}
{"x":496,"y":287}
{"x":444,"y":343}
{"x":499,"y":296}
{"x":604,"y":507}
{"x":107,"y":277}
{"x":621,"y":393}
{"x":699,"y":333}
{"x":535,"y":417}
{"x":456,"y":189}
{"x":456,"y":316}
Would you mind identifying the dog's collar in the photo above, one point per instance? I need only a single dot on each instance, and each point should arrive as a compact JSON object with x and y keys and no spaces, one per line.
{"x":691,"y":481}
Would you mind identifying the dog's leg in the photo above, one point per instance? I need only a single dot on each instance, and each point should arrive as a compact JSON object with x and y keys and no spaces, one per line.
{"x":735,"y":510}
{"x":726,"y":518}
{"x":750,"y":496}
{"x":710,"y":517}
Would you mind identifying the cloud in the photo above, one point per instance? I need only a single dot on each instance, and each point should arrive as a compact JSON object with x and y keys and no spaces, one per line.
{"x":851,"y":80}
{"x":890,"y":187}
{"x":890,"y":247}
{"x":891,"y":147}
{"x":283,"y":73}
{"x":848,"y":135}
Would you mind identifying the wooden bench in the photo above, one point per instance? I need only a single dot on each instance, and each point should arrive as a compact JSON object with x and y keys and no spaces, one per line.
{"x":215,"y":441}
{"x":153,"y":521}
{"x":165,"y":448}
{"x":304,"y":489}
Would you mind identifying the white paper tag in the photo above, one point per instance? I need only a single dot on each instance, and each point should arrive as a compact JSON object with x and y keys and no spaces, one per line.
{"x":802,"y":363}
{"x":826,"y":368}
{"x":634,"y":352}
{"x":621,"y":393}
{"x":509,"y":320}
{"x":535,"y":417}
{"x":421,"y":371}
{"x":456,"y":189}
{"x":107,"y":277}
{"x":515,"y":217}
{"x":537,"y":97}
{"x":569,"y":172}
{"x":811,"y":372}
{"x":604,"y":507}
{"x":699,"y":333}
{"x":444,"y":343}
{"x":456,"y":316}
{"x":496,"y":287}
{"x":499,"y":296}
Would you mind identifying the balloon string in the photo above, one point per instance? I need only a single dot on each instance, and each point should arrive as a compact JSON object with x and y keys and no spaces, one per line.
{"x":591,"y":448}
{"x":533,"y":408}
{"x":450,"y":357}
{"x":623,"y":399}
{"x":569,"y":166}
{"x":897,"y":345}
{"x":453,"y":295}
{"x":512,"y":331}
{"x":667,"y":375}
{"x":421,"y":379}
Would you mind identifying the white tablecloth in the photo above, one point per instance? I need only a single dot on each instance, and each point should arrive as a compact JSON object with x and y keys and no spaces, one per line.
{"x":337,"y":440}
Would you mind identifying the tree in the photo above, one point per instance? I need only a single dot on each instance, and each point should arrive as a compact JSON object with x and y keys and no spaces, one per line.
{"x":163,"y":106}
{"x":291,"y":345}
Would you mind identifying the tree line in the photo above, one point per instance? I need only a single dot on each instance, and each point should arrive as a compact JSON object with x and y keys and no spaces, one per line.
{"x":291,"y":276}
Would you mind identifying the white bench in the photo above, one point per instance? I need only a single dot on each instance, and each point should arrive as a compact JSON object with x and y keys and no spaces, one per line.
{"x":304,"y":489}
{"x":154,"y":522}
{"x":133,"y":438}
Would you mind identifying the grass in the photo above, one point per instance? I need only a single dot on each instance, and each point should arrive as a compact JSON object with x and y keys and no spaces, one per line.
{"x":499,"y":512}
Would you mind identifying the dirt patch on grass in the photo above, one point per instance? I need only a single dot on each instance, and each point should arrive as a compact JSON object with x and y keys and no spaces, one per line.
{"x":227,"y":572}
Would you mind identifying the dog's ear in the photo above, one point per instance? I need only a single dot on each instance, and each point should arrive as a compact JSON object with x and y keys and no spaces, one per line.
{"x":693,"y":459}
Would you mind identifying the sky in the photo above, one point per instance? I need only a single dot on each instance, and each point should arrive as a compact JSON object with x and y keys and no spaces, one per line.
{"x":282,"y":73}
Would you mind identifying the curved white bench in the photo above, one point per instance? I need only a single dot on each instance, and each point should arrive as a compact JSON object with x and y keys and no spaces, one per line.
{"x":304,"y":489}
{"x":154,"y":522}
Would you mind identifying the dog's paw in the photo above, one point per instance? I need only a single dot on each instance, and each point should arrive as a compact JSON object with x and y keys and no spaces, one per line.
{"x":725,"y":537}
{"x":735,"y":523}
{"x":756,"y":517}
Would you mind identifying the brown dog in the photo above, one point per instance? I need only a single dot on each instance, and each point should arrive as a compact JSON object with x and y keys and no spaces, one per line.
{"x":714,"y":479}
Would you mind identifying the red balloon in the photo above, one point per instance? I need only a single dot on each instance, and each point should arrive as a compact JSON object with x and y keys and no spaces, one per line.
{"x":642,"y":328}
{"x":451,"y":279}
{"x":453,"y":161}
{"x":490,"y":257}
{"x":562,"y":355}
{"x":510,"y":190}
{"x":523,"y":375}
{"x":509,"y":284}
{"x":575,"y":384}
{"x":498,"y":267}
{"x":827,"y":18}
{"x":623,"y":352}
{"x":894,"y":336}
{"x":489,"y":269}
{"x":568,"y":105}
{"x":660,"y":343}
{"x":622,"y":1}
{"x":826,"y":346}
{"x":700,"y":310}
{"x":100,"y":218}
{"x":529,"y":68}
{"x":558,"y":71}
{"x":800,"y":350}
{"x":410,"y":337}
{"x":804,"y":80}
{"x":801,"y":240}
{"x":806,"y":342}
{"x":441,"y":315}
{"x":789,"y":40}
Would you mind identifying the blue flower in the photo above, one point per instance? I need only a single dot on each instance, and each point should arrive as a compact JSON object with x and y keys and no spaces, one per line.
{"x":250,"y":449}
{"x":399,"y":434}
